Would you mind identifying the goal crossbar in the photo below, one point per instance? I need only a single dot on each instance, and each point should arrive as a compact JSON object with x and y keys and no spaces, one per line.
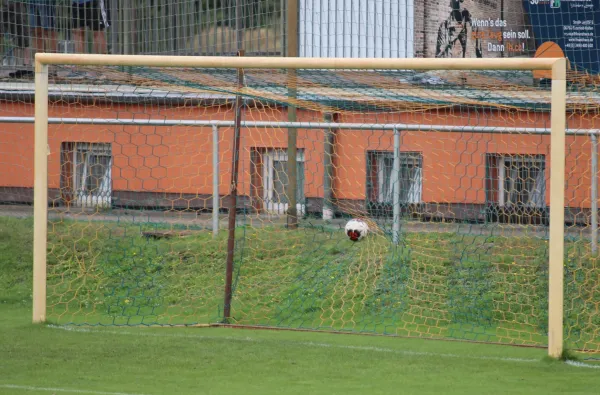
{"x":233,"y":62}
{"x":558,"y":126}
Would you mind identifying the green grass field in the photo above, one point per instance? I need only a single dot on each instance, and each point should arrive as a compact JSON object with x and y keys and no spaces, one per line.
{"x":42,"y":360}
{"x":468,"y":284}
{"x":109,"y":273}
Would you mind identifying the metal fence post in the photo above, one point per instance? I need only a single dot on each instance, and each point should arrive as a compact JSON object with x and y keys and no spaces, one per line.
{"x":215,"y":202}
{"x":328,"y":170}
{"x":395,"y":181}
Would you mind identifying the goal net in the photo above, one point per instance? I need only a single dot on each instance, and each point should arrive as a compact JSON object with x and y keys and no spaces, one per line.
{"x":447,"y":165}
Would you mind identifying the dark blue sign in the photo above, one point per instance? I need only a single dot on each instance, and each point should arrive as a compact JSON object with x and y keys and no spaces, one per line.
{"x":572,"y":24}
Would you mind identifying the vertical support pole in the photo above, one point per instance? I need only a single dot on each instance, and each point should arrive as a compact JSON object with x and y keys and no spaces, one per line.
{"x":235,"y":165}
{"x":292,"y":187}
{"x":557,"y":209}
{"x":173,"y":29}
{"x":40,"y":193}
{"x":292,"y":51}
{"x":328,"y":170}
{"x":395,"y":181}
{"x":239,"y":25}
{"x":594,"y":197}
{"x":127,"y":31}
{"x":127,"y":34}
{"x":282,"y":16}
{"x":114,"y":28}
{"x":215,"y":202}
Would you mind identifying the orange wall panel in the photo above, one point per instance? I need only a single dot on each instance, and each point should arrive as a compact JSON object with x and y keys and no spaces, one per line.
{"x":179,"y":159}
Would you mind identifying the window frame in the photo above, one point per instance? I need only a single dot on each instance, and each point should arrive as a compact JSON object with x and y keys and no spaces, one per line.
{"x":78,"y":155}
{"x":270,"y":156}
{"x":503,"y":160}
{"x":376,"y":159}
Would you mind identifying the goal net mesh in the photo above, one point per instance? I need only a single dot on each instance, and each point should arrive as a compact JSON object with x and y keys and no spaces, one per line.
{"x":130,"y":228}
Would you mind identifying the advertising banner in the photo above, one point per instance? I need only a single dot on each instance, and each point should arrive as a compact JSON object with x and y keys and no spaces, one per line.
{"x":473,"y":28}
{"x":571,"y":24}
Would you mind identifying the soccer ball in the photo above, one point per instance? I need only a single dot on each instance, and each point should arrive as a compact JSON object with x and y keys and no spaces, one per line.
{"x":356,"y":229}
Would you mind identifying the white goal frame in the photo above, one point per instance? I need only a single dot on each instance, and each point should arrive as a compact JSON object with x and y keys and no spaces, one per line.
{"x":558,"y":66}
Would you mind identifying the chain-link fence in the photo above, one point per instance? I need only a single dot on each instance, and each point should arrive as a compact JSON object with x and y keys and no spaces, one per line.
{"x":180,"y":27}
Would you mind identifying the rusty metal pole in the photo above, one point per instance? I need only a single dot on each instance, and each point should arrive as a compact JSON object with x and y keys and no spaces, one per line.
{"x":235,"y":165}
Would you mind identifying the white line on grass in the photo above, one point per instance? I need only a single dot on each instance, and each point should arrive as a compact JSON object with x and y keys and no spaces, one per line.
{"x":309,"y":344}
{"x":582,"y":365}
{"x":72,"y":391}
{"x":321,"y":345}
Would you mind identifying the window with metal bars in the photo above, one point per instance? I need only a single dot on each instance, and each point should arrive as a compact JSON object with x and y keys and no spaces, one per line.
{"x":380,"y":184}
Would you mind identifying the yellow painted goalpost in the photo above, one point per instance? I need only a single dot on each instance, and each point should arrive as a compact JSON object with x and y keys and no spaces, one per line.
{"x":557,"y":141}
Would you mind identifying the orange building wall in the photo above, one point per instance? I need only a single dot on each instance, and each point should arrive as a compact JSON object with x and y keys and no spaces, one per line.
{"x":155,"y":159}
{"x":454,"y":163}
{"x":179,"y":159}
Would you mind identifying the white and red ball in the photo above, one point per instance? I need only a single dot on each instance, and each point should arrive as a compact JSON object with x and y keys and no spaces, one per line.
{"x":356,"y":229}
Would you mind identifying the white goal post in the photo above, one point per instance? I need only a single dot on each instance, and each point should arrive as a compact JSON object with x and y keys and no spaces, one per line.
{"x":557,"y":162}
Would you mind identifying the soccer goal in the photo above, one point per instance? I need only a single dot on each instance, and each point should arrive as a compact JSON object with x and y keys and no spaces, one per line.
{"x":219,"y":191}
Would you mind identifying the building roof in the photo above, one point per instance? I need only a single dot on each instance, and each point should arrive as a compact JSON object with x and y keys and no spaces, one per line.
{"x":340,"y":90}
